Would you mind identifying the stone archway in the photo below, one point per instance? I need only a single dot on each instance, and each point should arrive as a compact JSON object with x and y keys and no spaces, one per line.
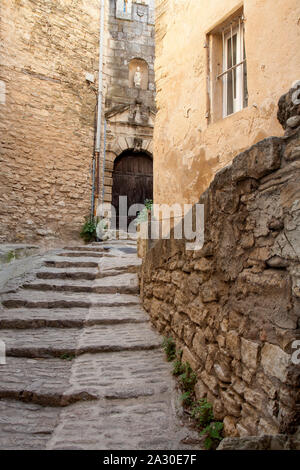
{"x":132,"y":177}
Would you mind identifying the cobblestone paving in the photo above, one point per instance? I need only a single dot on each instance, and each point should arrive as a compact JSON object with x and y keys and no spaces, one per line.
{"x":84,"y":368}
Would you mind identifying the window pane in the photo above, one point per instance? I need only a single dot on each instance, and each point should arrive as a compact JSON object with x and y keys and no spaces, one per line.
{"x":245,"y":97}
{"x":231,"y":76}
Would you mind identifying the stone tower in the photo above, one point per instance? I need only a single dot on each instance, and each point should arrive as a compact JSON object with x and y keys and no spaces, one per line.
{"x":129,"y":96}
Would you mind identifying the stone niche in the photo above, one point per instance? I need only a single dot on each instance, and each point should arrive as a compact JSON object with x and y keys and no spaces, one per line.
{"x":144,"y":71}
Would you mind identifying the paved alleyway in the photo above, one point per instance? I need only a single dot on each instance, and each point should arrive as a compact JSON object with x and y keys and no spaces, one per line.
{"x":85,"y":370}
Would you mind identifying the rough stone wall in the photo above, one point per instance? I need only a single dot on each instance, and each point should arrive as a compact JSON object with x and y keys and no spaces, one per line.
{"x":129,"y":111}
{"x":234,"y":306}
{"x":47,"y":116}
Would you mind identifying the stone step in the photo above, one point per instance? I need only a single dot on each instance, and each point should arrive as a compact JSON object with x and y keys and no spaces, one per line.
{"x":58,"y":342}
{"x":121,"y":262}
{"x":22,"y":318}
{"x":70,"y":273}
{"x":40,"y":381}
{"x":138,"y":424}
{"x":51,"y":299}
{"x":26,"y":425}
{"x":65,"y":262}
{"x":84,"y":254}
{"x":57,"y":382}
{"x":123,"y":284}
{"x":86,"y":248}
{"x":121,"y":375}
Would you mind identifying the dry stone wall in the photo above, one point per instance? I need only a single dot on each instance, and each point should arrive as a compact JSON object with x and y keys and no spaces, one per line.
{"x":234,"y":306}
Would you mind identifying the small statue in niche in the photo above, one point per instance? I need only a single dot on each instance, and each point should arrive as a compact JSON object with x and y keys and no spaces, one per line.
{"x":137,"y":77}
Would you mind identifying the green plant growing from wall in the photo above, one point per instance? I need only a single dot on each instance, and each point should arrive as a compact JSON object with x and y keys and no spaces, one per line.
{"x":169,"y":347}
{"x":213,"y":433}
{"x":187,"y":399}
{"x":178,"y":367}
{"x":202,"y":412}
{"x":188,"y":378}
{"x":88,"y":231}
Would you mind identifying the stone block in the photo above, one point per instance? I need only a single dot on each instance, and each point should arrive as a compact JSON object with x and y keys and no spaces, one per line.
{"x":261,"y":159}
{"x":202,"y":265}
{"x":233,"y":344}
{"x":254,"y":397}
{"x":232,"y":403}
{"x":218,"y":410}
{"x":223,"y":373}
{"x":209,"y":292}
{"x":210,"y":381}
{"x":249,"y":353}
{"x":275,"y":361}
{"x":230,"y":426}
{"x":199,"y":346}
{"x":267,"y":386}
{"x":188,"y":356}
{"x":200,"y":390}
{"x":267,"y":427}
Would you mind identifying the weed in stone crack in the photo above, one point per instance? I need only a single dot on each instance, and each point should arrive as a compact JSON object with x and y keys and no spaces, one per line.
{"x":169,"y":347}
{"x":67,"y":357}
{"x":213,"y":434}
{"x":178,"y":367}
{"x":187,"y":399}
{"x":11,"y":256}
{"x":200,"y":411}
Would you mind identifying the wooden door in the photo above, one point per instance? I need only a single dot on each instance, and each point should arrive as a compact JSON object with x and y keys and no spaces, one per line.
{"x":132,"y":177}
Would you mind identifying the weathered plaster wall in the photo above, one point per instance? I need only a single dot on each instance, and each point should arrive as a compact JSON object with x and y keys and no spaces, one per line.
{"x":188,"y":151}
{"x":234,"y":306}
{"x":47,"y":119}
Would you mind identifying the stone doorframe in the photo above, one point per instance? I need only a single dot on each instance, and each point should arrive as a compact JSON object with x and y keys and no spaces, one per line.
{"x":114,"y":150}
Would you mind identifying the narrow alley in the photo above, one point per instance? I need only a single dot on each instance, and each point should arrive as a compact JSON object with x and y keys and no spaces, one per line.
{"x":85,"y":370}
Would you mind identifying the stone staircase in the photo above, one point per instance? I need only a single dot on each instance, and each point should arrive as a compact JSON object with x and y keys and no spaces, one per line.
{"x":84,"y":368}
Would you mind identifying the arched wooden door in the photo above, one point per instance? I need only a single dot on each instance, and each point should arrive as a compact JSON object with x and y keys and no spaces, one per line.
{"x":132,"y":177}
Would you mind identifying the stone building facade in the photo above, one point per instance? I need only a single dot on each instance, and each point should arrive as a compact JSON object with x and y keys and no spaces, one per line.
{"x":129,"y":107}
{"x":233,"y":306}
{"x":48,"y":107}
{"x":194,"y":135}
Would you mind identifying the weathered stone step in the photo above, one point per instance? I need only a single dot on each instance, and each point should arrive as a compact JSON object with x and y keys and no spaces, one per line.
{"x":60,"y":262}
{"x":70,"y":273}
{"x":146,"y":423}
{"x":71,"y":317}
{"x":123,"y":284}
{"x":40,"y":381}
{"x":121,"y":375}
{"x":121,"y":262}
{"x":26,"y":425}
{"x":57,"y":342}
{"x":48,"y":299}
{"x":56,"y":382}
{"x":87,"y":248}
{"x":84,"y":254}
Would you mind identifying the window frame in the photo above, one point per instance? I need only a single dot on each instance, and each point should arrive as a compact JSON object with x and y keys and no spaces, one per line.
{"x":236,"y":70}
